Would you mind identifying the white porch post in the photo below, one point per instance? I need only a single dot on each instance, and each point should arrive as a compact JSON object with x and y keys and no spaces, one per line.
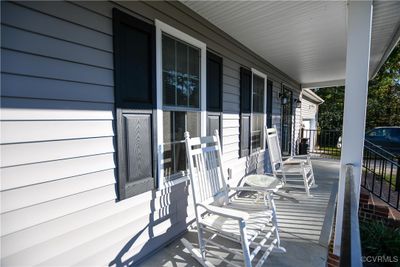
{"x":355,"y":103}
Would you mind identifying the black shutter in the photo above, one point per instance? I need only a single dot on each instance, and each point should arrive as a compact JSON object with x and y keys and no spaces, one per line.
{"x":214,"y":93}
{"x":135,"y":102}
{"x":245,"y":111}
{"x":214,"y":82}
{"x":269,"y":104}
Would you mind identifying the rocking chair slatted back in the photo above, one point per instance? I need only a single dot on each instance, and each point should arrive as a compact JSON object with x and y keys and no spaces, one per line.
{"x":300,"y":167}
{"x":205,"y":164}
{"x":273,"y":147}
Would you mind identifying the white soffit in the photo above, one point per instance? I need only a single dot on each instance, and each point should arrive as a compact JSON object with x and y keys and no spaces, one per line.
{"x":304,"y":39}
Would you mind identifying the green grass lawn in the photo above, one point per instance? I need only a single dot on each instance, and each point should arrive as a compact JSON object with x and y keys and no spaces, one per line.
{"x":393,"y":183}
{"x":386,"y":177}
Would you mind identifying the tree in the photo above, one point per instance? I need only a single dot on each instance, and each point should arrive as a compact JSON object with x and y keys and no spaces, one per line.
{"x":384,"y":94}
{"x":330,"y":113}
{"x":383,"y":108}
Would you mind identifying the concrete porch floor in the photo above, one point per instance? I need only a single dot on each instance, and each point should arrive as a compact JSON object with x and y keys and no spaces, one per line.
{"x":304,"y":223}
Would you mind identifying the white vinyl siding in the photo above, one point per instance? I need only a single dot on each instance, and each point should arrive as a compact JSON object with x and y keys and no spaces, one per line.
{"x":308,"y":109}
{"x":58,"y":134}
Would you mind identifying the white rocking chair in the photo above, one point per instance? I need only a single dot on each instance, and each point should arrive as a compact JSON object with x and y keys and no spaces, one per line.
{"x":223,"y":213}
{"x":293,"y":166}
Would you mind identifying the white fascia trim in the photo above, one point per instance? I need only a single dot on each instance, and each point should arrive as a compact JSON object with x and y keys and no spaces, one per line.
{"x":161,"y":27}
{"x":323,"y":84}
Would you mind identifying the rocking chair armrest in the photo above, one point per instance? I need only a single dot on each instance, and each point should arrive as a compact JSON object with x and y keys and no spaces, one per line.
{"x":224,"y":212}
{"x":296,"y":161}
{"x":256,"y":189}
{"x":297,"y":157}
{"x":305,"y":157}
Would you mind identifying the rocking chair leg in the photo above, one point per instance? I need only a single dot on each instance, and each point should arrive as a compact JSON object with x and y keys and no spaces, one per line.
{"x":312,"y":184}
{"x":245,"y":244}
{"x":283,"y":177}
{"x":306,"y":186}
{"x":312,"y":179}
{"x":274,"y":220}
{"x":196,"y":254}
{"x":202,"y":246}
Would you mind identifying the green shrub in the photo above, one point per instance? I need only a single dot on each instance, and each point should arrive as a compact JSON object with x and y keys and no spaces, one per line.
{"x":378,"y":239}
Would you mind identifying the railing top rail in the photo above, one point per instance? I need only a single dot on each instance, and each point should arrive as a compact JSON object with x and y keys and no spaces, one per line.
{"x":384,"y":157}
{"x":380,"y":148}
{"x":351,"y":245}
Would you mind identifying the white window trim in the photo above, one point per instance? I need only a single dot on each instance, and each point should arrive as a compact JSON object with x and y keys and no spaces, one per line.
{"x":264,"y":76}
{"x":161,"y":27}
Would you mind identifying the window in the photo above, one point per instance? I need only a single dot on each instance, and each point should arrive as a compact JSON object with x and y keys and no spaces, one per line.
{"x":175,"y":123}
{"x":180,"y":98}
{"x":180,"y":73}
{"x":258,"y":112}
{"x":181,"y":80}
{"x":377,"y":132}
{"x":252,"y":105}
{"x":269,"y":103}
{"x":245,"y":111}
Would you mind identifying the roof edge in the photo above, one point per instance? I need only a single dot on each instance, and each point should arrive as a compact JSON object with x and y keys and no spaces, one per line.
{"x":392,"y":45}
{"x":323,"y":84}
{"x":310,"y":95}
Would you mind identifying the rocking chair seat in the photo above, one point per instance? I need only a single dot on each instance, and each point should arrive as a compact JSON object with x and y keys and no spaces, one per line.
{"x":291,"y":170}
{"x":291,"y":161}
{"x":258,"y":219}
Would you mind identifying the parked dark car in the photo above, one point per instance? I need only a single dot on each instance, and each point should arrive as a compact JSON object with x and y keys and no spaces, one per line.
{"x":387,"y":138}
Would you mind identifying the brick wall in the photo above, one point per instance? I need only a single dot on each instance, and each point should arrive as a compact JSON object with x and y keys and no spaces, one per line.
{"x":369,"y":209}
{"x":332,"y":259}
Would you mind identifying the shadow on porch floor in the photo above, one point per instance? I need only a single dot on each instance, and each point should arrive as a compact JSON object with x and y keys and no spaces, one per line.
{"x":304,"y":223}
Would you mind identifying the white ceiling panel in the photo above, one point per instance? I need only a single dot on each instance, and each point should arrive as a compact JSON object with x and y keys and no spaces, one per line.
{"x":305,"y":39}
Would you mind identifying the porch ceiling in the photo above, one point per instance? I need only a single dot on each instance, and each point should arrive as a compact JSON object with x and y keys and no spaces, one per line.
{"x":305,"y":39}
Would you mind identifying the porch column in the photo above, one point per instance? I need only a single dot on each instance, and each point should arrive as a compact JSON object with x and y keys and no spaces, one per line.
{"x":355,"y":101}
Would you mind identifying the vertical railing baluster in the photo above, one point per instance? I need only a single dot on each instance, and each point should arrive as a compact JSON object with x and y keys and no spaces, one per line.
{"x":383,"y":178}
{"x":390,"y":181}
{"x":366,"y":168}
{"x":397,"y":186}
{"x":373,"y":174}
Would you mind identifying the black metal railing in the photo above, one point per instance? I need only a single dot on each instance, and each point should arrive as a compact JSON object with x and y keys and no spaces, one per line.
{"x":381,"y":168}
{"x":321,"y":142}
{"x":381,"y":174}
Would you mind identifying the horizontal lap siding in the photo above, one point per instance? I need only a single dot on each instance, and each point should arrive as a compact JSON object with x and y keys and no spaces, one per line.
{"x":58,"y":134}
{"x":90,"y":231}
{"x":308,"y":109}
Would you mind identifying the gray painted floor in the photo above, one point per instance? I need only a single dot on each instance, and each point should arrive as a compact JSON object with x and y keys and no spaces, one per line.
{"x":304,"y":227}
